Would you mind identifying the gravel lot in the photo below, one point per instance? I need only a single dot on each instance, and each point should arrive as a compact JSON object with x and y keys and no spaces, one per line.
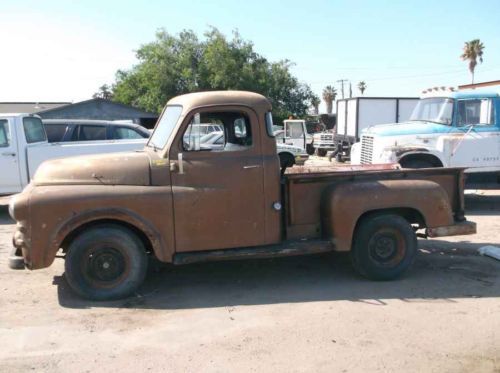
{"x":294,"y":314}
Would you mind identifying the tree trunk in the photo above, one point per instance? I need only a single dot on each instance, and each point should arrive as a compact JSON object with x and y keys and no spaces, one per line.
{"x":329,"y":107}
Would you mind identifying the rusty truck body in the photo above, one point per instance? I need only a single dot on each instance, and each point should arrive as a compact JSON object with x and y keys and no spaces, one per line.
{"x":182,"y":203}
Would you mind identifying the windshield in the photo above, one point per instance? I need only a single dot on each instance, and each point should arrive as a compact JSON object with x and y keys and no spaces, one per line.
{"x":437,"y":110}
{"x":165,"y":126}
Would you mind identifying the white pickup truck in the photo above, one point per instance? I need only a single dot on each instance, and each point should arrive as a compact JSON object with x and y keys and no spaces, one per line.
{"x":24,"y":146}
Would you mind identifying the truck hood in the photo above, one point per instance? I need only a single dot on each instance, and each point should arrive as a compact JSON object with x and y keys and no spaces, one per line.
{"x":129,"y":168}
{"x":407,"y":128}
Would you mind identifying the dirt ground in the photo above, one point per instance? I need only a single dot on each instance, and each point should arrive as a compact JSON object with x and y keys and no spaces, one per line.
{"x":294,"y":314}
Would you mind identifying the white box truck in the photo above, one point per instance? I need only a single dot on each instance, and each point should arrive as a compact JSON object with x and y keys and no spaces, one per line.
{"x":357,"y":113}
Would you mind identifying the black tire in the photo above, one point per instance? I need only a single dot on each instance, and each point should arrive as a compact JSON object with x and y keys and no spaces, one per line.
{"x":384,"y":247}
{"x":106,"y":262}
{"x":417,"y":163}
{"x":286,"y":160}
{"x":310,"y":149}
{"x":321,"y":152}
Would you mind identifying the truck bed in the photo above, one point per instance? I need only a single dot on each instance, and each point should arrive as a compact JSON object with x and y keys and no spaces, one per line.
{"x":305,"y":188}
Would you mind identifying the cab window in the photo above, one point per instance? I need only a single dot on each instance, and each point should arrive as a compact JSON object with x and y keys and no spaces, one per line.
{"x":55,"y":131}
{"x":33,"y":130}
{"x":477,"y":112}
{"x":121,"y":133}
{"x":89,"y":133}
{"x":233,"y":128}
{"x":4,"y":138}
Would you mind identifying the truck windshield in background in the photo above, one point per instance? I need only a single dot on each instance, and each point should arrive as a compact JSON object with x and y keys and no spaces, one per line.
{"x":436,"y":110}
{"x":165,"y":127}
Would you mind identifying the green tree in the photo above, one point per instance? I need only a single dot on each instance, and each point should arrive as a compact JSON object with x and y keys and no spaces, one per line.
{"x":362,"y":87}
{"x":315,"y":101}
{"x":177,"y":64}
{"x":104,"y":92}
{"x":329,"y":95}
{"x":472,"y":52}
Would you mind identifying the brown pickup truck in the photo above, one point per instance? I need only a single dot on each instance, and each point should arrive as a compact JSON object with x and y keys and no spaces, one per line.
{"x":183,"y":202}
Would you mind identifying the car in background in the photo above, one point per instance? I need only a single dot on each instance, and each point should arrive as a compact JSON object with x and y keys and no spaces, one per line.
{"x":68,"y":130}
{"x":289,"y":155}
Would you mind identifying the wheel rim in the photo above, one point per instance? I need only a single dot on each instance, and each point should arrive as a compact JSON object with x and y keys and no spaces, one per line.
{"x":387,"y":247}
{"x":104,"y":266}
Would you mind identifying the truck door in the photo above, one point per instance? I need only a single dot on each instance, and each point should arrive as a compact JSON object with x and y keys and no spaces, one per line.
{"x":478,"y":147}
{"x":218,"y":193}
{"x":294,"y":134}
{"x":9,"y":159}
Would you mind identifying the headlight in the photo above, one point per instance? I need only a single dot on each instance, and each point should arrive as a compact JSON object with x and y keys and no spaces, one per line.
{"x":12,"y":206}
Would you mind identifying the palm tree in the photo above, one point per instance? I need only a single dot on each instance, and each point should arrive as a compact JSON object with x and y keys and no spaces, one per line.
{"x":473,"y":51}
{"x":362,"y":87}
{"x":315,"y":101}
{"x":329,"y":94}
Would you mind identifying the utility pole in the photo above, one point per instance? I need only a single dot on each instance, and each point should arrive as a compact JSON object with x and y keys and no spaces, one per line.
{"x":341,"y":81}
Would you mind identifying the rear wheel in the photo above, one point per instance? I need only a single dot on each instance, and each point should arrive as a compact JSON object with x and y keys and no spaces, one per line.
{"x":310,"y":149}
{"x":384,"y":247}
{"x":106,"y":262}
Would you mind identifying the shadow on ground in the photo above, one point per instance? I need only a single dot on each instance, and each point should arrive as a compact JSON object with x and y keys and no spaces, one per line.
{"x":436,"y":275}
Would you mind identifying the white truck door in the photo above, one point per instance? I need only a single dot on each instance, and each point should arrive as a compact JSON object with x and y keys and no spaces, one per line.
{"x":294,"y":134}
{"x":478,"y":146}
{"x":10,"y":180}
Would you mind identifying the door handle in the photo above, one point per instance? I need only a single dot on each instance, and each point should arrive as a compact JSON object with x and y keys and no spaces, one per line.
{"x":7,"y":154}
{"x":252,"y":166}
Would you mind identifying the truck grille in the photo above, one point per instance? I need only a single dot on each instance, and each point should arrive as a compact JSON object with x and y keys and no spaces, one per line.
{"x":327,"y":137}
{"x":366,"y":149}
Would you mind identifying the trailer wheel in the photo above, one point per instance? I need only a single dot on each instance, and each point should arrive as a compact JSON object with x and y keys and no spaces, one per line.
{"x":106,"y":262}
{"x":321,"y":152}
{"x":384,"y":247}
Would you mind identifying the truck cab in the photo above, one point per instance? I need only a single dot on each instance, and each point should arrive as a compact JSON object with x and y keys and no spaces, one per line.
{"x":446,"y":129}
{"x":180,"y":202}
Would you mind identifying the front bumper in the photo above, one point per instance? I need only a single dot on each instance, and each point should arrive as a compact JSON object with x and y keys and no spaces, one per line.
{"x":458,"y":229}
{"x":19,"y":257}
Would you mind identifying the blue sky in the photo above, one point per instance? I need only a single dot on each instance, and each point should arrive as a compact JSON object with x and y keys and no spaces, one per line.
{"x":64,"y":50}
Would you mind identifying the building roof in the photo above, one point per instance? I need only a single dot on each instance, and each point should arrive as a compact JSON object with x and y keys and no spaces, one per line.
{"x":29,"y":107}
{"x":99,"y":103}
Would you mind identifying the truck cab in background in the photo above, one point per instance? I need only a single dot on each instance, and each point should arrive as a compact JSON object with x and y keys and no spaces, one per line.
{"x":295,"y":134}
{"x":446,"y":129}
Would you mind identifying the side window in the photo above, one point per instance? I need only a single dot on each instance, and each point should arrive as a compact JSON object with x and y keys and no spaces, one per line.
{"x":294,"y":130}
{"x":55,"y":132}
{"x":4,"y":134}
{"x":92,"y":133}
{"x":479,"y":111}
{"x":232,"y":132}
{"x":121,"y":133}
{"x":33,"y":130}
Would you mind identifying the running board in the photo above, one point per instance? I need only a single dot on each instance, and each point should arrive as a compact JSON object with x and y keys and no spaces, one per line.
{"x":288,"y":248}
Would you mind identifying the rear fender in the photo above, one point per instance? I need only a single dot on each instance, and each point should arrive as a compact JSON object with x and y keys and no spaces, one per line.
{"x":344,"y":204}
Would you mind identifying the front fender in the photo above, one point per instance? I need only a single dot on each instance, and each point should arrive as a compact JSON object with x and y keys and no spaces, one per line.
{"x":345,"y":203}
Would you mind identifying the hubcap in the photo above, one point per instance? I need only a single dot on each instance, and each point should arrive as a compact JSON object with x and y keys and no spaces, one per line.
{"x":105,"y":265}
{"x":386,"y":247}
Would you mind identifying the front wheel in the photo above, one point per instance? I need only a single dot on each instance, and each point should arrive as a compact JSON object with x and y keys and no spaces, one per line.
{"x":384,"y":247}
{"x":286,"y":160}
{"x":321,"y":152}
{"x":417,"y":163}
{"x":106,"y":262}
